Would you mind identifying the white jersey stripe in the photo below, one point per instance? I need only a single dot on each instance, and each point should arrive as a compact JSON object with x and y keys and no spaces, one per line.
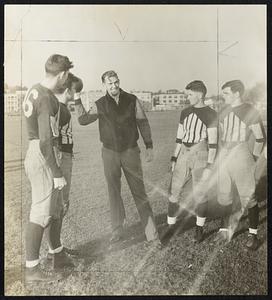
{"x":198,"y":130}
{"x":236,"y":129}
{"x":192,"y":129}
{"x":228,"y":139}
{"x":243,"y":132}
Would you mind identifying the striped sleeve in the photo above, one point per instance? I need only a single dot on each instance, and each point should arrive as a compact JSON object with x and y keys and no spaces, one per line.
{"x":212,"y":133}
{"x":181,"y":129}
{"x":180,"y":134}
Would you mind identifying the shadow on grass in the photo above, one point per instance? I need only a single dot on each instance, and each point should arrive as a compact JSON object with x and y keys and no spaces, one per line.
{"x":97,"y":249}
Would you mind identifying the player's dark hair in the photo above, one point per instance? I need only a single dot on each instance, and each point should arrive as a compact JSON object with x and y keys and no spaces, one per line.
{"x":235,"y":86}
{"x":57,"y":63}
{"x":67,"y":84}
{"x":108,"y":74}
{"x":197,"y":86}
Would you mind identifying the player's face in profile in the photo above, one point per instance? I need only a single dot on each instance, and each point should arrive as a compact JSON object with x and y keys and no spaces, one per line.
{"x":62,"y":78}
{"x":193,"y":97}
{"x":228,"y":95}
{"x":69,"y":95}
{"x":112,"y":85}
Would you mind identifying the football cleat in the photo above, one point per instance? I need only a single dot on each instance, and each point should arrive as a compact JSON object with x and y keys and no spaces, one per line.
{"x":199,"y":236}
{"x":36,"y":274}
{"x":61,"y":260}
{"x":252,"y":241}
{"x":70,"y":252}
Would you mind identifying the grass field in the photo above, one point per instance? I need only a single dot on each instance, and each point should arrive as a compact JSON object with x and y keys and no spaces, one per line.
{"x":131,"y":267}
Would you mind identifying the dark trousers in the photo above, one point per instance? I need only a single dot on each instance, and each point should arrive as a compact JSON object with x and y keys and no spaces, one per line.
{"x":129,"y":161}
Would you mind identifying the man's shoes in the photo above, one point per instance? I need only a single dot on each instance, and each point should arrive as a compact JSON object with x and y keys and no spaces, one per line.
{"x":70,"y":252}
{"x":156,"y":243}
{"x":36,"y":274}
{"x":198,"y":237}
{"x":61,"y":260}
{"x":168,"y":233}
{"x":222,"y":236}
{"x":252,"y":241}
{"x":116,"y":236}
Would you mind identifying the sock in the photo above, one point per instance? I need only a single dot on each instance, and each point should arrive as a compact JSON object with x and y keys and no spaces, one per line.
{"x":57,"y":250}
{"x":171,"y":220}
{"x":225,"y":222}
{"x":53,"y":234}
{"x":34,"y":234}
{"x":32,"y":263}
{"x":200,"y":221}
{"x":253,"y":231}
{"x":201,"y":209}
{"x":253,"y":216}
{"x":173,"y":208}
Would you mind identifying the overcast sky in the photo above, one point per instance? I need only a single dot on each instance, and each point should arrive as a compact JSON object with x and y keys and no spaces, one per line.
{"x":151,"y":47}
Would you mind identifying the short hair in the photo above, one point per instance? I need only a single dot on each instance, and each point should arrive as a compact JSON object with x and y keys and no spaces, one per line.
{"x":67,"y":84}
{"x":235,"y":86}
{"x":197,"y":86}
{"x":57,"y":63}
{"x":108,"y":74}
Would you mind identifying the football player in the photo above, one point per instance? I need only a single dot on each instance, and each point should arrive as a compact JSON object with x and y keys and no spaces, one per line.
{"x":41,"y":109}
{"x":237,"y":121}
{"x":194,"y":156}
{"x":64,"y":94}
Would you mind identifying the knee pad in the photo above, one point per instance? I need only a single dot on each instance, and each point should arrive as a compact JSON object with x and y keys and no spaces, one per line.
{"x":248,"y":201}
{"x":41,"y":220}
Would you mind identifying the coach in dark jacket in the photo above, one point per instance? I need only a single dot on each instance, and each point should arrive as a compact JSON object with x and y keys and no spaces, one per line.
{"x":120,"y":115}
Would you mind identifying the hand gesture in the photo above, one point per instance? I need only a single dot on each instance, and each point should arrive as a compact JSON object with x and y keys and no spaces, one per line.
{"x":206,"y":174}
{"x":59,"y":183}
{"x":172,"y":166}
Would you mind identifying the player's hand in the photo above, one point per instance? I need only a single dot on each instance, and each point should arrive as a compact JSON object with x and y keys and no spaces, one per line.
{"x":149,"y":155}
{"x":172,"y":166}
{"x":59,"y":183}
{"x":65,"y":208}
{"x":255,"y":157}
{"x":93,"y":110}
{"x":206,"y":174}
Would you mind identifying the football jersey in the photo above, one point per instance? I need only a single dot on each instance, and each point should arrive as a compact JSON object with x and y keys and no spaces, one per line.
{"x":194,"y":123}
{"x":65,"y":128}
{"x":41,"y":110}
{"x":237,"y":122}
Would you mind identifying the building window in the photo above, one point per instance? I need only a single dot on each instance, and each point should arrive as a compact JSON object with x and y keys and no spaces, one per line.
{"x":170,"y":101}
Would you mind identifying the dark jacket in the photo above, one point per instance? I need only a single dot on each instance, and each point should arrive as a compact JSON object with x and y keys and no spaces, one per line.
{"x":118,"y":123}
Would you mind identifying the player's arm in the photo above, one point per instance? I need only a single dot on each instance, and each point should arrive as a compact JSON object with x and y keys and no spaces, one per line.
{"x":143,"y":125}
{"x":84,"y":117}
{"x":46,"y":136}
{"x":180,"y":136}
{"x":258,"y":131}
